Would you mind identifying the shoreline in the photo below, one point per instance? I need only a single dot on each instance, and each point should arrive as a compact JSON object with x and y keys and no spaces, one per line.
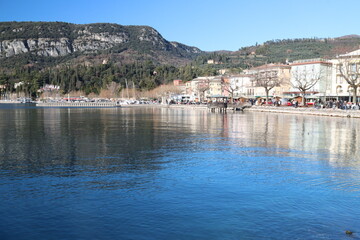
{"x":327,"y":112}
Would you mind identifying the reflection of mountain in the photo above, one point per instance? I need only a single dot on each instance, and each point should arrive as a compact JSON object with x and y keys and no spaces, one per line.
{"x":34,"y":139}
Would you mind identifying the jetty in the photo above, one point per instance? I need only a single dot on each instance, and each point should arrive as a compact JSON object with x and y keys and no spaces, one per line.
{"x":79,"y":104}
{"x":218,"y":103}
{"x":221,"y":104}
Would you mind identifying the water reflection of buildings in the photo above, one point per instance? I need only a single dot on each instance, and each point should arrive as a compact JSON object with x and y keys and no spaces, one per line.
{"x":45,"y":137}
{"x":336,"y":138}
{"x":345,"y":142}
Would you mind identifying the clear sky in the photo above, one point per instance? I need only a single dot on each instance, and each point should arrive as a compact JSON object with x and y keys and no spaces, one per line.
{"x":207,"y":24}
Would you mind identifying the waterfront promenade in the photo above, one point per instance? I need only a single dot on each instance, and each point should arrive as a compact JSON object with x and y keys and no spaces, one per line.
{"x":329,"y":112}
{"x":307,"y":111}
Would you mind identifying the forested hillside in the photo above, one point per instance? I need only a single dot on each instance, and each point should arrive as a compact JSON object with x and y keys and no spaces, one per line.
{"x":90,"y":57}
{"x":307,"y":48}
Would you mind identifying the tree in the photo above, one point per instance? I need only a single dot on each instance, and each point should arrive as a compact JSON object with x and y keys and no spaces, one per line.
{"x":267,"y":78}
{"x":304,"y":80}
{"x":350,"y":71}
{"x":229,"y":87}
{"x":162,"y":92}
{"x":202,"y":86}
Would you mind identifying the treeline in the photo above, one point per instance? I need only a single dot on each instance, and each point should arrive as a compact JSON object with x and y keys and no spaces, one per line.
{"x":30,"y":30}
{"x":92,"y":79}
{"x":217,"y":57}
{"x":27,"y":30}
{"x":295,"y":40}
{"x":280,"y":50}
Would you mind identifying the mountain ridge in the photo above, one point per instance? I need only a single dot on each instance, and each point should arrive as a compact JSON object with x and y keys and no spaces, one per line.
{"x":59,"y":39}
{"x":48,"y":44}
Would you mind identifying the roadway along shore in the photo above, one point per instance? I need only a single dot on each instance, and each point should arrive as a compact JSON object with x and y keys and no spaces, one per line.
{"x":329,"y":112}
{"x":307,"y":111}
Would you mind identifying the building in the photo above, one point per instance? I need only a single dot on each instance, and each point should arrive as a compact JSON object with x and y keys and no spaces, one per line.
{"x":318,"y":78}
{"x":178,"y":82}
{"x":345,"y":65}
{"x":275,"y":77}
{"x":312,"y":76}
{"x":241,"y":85}
{"x":215,"y":87}
{"x":199,"y":88}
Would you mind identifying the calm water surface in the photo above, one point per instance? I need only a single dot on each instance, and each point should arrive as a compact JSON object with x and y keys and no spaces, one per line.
{"x":157,"y":173}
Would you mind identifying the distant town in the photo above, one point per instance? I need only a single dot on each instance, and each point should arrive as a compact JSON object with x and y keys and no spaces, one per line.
{"x":308,"y":81}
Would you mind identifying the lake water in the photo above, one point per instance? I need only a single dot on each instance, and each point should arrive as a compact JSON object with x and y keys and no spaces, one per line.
{"x":159,"y":173}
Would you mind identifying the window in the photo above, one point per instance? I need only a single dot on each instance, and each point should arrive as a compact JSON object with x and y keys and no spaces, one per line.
{"x":353,"y":67}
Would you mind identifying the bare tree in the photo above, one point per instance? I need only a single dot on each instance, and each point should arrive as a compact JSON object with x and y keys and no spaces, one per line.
{"x":202,"y":86}
{"x":268,"y":79}
{"x":304,"y":80}
{"x":112,"y":90}
{"x":350,"y":71}
{"x":162,"y":92}
{"x":167,"y":90}
{"x":229,"y":87}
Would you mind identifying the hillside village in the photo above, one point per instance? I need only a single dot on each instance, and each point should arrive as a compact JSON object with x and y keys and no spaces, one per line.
{"x":315,"y":79}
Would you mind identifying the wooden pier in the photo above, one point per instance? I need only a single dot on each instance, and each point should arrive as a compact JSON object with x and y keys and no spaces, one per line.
{"x":79,"y":104}
{"x":218,"y":103}
{"x":221,"y":104}
{"x":217,"y":107}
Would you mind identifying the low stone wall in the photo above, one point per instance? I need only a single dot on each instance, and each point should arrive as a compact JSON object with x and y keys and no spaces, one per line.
{"x":307,"y":110}
{"x":78,"y":104}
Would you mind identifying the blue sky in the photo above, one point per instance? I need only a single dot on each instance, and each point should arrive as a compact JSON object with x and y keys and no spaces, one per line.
{"x":209,"y":25}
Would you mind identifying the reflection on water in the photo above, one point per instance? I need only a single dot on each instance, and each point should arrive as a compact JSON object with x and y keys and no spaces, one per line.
{"x":89,"y":132}
{"x":131,"y":173}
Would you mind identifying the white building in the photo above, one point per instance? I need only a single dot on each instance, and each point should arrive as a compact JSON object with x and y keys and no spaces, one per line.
{"x":312,"y":75}
{"x":243,"y":85}
{"x":198,"y":88}
{"x":341,"y":89}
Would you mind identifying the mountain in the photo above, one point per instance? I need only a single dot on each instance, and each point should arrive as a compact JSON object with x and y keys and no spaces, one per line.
{"x":94,"y":57}
{"x":297,"y":49}
{"x":36,"y":42}
{"x":281,"y":51}
{"x":51,"y":43}
{"x":349,"y":36}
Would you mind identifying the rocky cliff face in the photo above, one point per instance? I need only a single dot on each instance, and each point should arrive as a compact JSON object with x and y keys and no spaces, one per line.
{"x":85,"y":41}
{"x":61,"y":39}
{"x":39,"y":46}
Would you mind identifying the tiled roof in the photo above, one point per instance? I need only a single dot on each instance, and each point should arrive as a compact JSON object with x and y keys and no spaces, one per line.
{"x":314,"y":62}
